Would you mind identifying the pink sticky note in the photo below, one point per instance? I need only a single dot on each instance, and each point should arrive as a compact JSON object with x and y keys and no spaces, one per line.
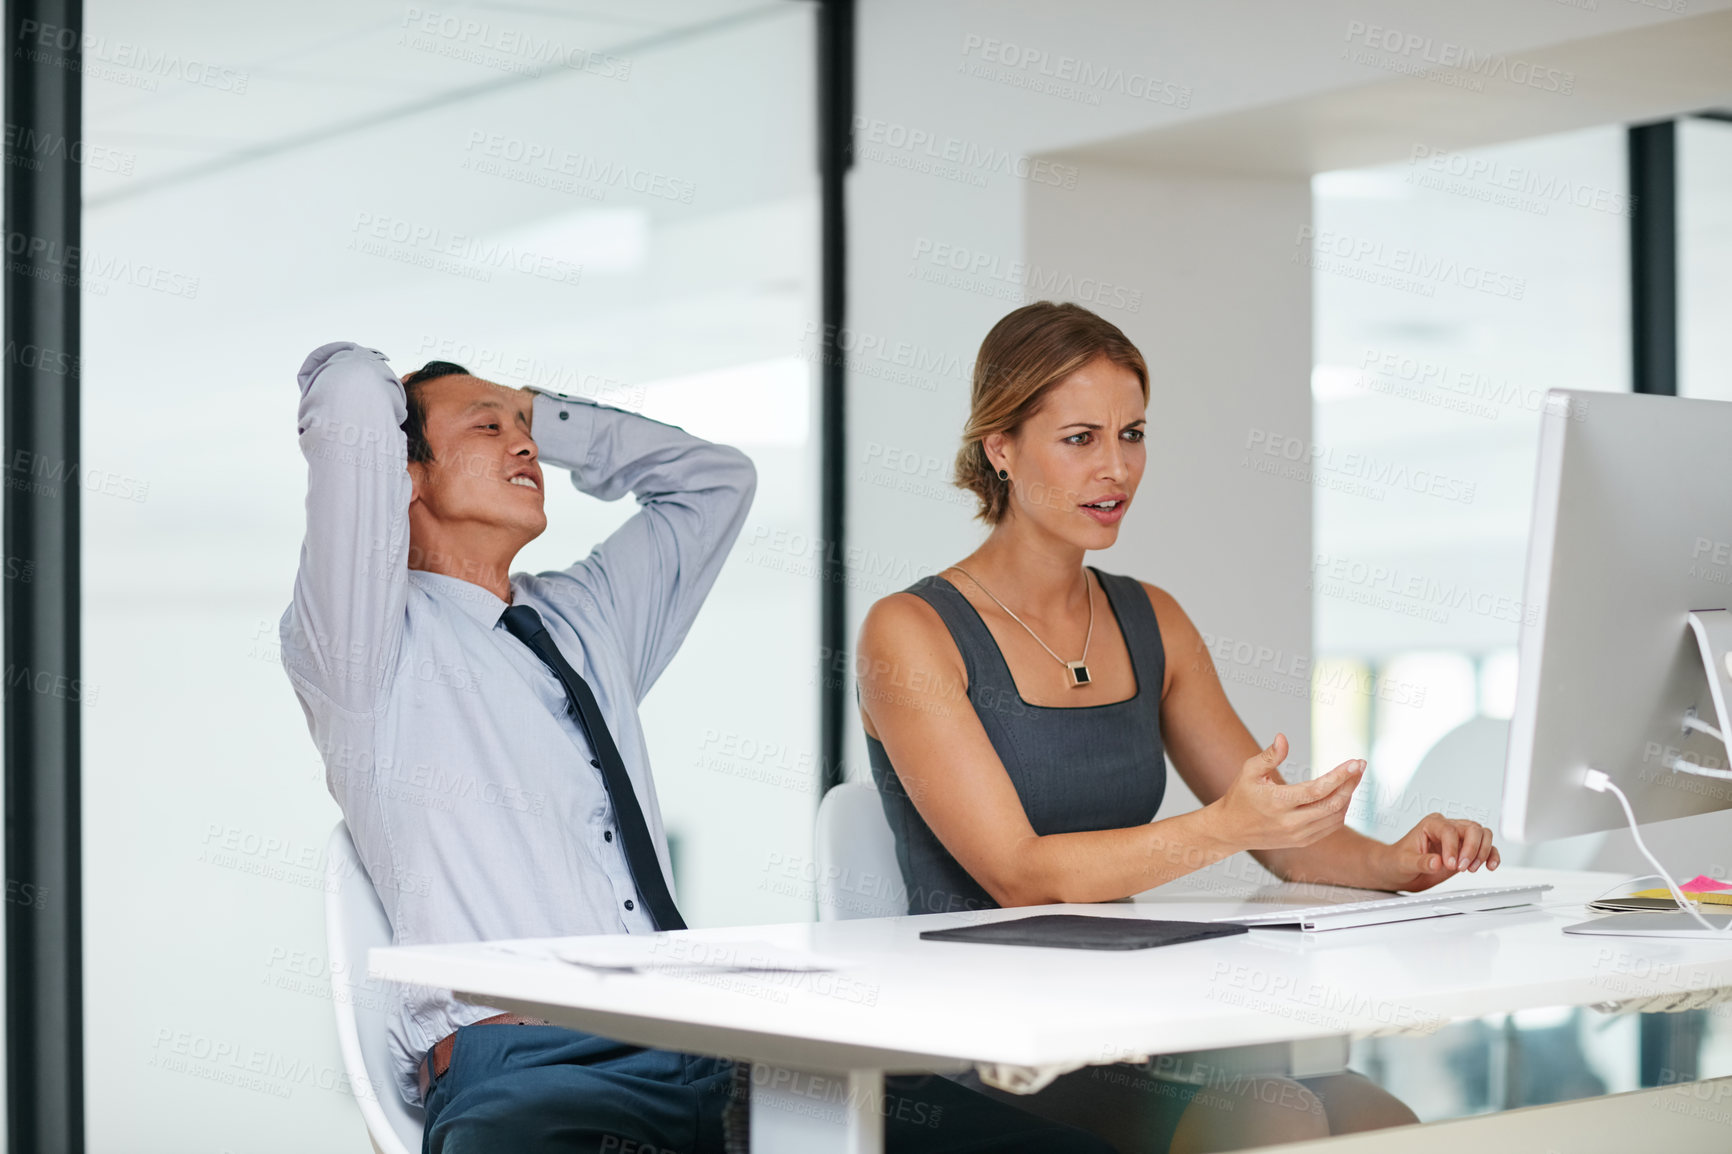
{"x":1701,"y":884}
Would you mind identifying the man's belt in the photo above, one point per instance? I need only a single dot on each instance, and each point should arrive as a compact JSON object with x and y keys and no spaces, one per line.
{"x":438,"y":1059}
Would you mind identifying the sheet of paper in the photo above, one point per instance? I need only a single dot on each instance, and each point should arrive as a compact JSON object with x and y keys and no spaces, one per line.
{"x":642,"y":953}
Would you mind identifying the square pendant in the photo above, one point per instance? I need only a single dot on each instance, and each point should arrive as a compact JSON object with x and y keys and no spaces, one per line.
{"x":1079,"y":674}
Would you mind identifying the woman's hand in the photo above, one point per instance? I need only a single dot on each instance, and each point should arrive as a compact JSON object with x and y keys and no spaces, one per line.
{"x":1432,"y":851}
{"x":1260,"y":811}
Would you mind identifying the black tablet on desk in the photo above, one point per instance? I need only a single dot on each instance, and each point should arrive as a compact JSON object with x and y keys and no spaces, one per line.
{"x":1082,"y":932}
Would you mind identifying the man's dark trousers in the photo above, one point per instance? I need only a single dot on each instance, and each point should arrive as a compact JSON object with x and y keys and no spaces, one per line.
{"x":547,"y":1090}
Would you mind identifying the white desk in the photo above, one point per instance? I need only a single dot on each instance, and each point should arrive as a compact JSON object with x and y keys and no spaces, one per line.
{"x":1027,"y":1014}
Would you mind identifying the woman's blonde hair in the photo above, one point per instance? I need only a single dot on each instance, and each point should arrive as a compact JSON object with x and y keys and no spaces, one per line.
{"x":1021,"y":360}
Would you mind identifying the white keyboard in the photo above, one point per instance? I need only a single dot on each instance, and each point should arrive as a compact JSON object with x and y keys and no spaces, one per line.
{"x":1401,"y":908}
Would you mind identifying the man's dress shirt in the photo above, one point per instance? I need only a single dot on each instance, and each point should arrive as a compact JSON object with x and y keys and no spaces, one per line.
{"x":466,"y":784}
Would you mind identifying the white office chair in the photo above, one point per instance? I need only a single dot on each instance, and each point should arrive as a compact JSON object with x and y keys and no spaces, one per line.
{"x":857,"y":872}
{"x":1462,"y":776}
{"x":355,"y":922}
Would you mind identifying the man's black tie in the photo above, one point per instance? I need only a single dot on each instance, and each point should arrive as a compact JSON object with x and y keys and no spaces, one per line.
{"x":640,"y":850}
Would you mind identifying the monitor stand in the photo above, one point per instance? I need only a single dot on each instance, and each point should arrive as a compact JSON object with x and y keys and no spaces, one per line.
{"x":1713,"y":630}
{"x":1655,"y":924}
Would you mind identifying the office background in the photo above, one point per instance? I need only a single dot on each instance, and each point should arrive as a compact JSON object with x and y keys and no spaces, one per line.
{"x":1352,"y":271}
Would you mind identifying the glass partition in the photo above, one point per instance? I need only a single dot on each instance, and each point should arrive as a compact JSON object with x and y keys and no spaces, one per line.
{"x":613,"y":201}
{"x":620,"y":202}
{"x":1452,"y":290}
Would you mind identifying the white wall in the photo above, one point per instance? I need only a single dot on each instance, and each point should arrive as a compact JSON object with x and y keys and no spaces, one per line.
{"x":1207,"y":260}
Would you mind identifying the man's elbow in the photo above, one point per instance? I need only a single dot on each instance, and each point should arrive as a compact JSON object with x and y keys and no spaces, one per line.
{"x":736,"y":472}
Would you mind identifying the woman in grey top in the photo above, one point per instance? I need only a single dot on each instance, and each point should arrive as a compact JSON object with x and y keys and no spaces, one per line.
{"x":1018,"y":705}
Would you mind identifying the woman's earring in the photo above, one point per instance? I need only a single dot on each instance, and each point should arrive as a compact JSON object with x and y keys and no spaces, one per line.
{"x":1004,"y":474}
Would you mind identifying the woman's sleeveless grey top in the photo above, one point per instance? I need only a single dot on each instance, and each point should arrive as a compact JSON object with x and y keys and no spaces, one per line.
{"x":1075,"y":769}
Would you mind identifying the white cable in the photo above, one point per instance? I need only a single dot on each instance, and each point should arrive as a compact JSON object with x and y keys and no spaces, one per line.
{"x":1679,"y":765}
{"x":1598,"y":781}
{"x":1691,"y":721}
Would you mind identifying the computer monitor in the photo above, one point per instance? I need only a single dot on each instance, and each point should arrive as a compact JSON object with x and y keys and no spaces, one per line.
{"x":1629,"y":580}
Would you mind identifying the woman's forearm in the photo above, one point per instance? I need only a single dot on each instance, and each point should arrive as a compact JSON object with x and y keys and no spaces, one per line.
{"x":1105,"y":865}
{"x":1111,"y":864}
{"x":1344,"y":858}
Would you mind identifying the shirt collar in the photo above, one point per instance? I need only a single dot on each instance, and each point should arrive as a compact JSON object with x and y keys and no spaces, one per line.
{"x":479,"y":603}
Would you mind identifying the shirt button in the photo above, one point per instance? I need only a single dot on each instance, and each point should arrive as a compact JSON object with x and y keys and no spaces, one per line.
{"x":629,"y":905}
{"x":608,"y":836}
{"x":595,"y":763}
{"x":564,"y":416}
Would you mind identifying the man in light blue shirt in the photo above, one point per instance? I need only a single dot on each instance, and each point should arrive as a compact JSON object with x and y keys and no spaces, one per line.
{"x":485,"y":802}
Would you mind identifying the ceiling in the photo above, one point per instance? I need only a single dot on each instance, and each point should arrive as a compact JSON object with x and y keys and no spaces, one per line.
{"x":1652,"y":72}
{"x":186,"y":89}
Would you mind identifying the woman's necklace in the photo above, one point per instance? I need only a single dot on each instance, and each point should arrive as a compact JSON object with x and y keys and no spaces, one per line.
{"x":1078,"y":669}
